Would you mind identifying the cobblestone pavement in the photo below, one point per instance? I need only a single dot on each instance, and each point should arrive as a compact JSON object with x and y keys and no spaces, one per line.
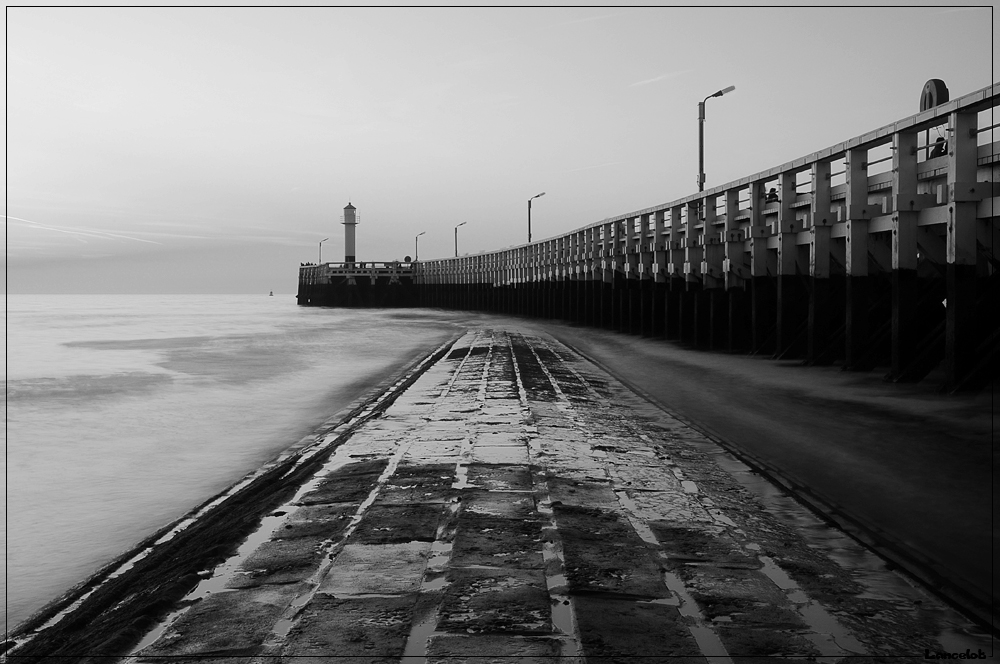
{"x":517,"y":504}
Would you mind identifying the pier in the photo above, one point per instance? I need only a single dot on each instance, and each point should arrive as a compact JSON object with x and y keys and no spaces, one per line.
{"x":357,"y":284}
{"x":510,"y":498}
{"x":504,"y":500}
{"x":879,"y":251}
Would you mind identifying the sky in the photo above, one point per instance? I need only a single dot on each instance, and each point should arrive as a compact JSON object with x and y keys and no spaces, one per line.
{"x":186,"y":150}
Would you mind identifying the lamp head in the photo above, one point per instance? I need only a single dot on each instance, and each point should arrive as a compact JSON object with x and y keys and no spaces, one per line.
{"x":421,"y":233}
{"x":462,"y":224}
{"x":324,"y":239}
{"x":724,"y":91}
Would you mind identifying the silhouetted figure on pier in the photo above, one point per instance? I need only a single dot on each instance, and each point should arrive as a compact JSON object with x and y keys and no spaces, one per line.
{"x":940,"y":148}
{"x":772,"y":197}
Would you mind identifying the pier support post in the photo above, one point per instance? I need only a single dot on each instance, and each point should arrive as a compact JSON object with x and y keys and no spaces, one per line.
{"x":961,"y":338}
{"x":634,"y":306}
{"x":593,"y":299}
{"x":556,"y":295}
{"x":822,"y":219}
{"x":856,"y":323}
{"x":673,"y":290}
{"x":570,"y":298}
{"x":579,"y":303}
{"x":762,"y":298}
{"x":544,"y":297}
{"x":734,"y":274}
{"x":819,"y":320}
{"x":762,"y":294}
{"x":702,"y":331}
{"x":657,"y":297}
{"x":739,"y":332}
{"x":906,"y":204}
{"x":622,"y":287}
{"x":762,"y":268}
{"x":603,"y":302}
{"x":543,"y":291}
{"x":590,"y":298}
{"x":621,"y":303}
{"x":647,"y":306}
{"x":613,"y":304}
{"x":688,"y":314}
{"x":564,"y":298}
{"x":718,"y":319}
{"x":792,"y":306}
{"x":905,"y":327}
{"x":641,"y":313}
{"x":856,"y":260}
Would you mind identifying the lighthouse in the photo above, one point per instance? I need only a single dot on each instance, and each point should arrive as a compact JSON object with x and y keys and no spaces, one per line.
{"x":352,"y":283}
{"x":350,"y":221}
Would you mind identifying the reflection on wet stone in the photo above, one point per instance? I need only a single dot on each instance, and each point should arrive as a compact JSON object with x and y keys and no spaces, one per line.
{"x":515,"y":504}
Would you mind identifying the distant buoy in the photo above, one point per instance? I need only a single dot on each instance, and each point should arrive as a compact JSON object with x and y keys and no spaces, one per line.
{"x":271,"y":293}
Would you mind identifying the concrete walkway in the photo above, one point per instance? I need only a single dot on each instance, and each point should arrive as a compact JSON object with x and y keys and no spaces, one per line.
{"x":908,"y":469}
{"x":517,"y":504}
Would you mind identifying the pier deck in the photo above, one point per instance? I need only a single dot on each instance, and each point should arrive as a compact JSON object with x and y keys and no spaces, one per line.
{"x":516,"y":503}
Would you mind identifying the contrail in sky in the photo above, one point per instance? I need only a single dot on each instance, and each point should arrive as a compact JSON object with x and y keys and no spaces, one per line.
{"x":104,"y":235}
{"x":661,"y":77}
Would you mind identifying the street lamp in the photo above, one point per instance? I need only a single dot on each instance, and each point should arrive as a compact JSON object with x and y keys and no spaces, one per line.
{"x":321,"y":250}
{"x":529,"y":212}
{"x":416,"y":246}
{"x":456,"y":237}
{"x":701,"y":135}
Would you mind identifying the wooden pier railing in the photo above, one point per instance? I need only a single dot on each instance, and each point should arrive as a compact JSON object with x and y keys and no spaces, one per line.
{"x":878,"y":251}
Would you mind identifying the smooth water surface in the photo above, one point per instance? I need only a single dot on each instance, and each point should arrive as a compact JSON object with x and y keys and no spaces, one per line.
{"x":125,"y":411}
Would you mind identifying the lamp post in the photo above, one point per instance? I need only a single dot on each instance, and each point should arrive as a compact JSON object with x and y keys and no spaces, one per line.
{"x":321,"y":250}
{"x":701,"y":135}
{"x":416,"y":246}
{"x":529,"y":213}
{"x":456,"y":237}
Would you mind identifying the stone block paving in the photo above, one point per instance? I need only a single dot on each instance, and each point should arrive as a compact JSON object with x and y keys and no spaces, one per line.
{"x":516,"y":504}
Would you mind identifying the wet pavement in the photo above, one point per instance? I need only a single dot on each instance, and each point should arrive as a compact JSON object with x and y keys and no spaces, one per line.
{"x":517,"y":504}
{"x":904,"y":467}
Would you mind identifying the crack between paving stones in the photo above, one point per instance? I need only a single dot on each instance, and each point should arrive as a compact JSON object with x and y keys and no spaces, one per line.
{"x":561,"y":603}
{"x":216,"y":580}
{"x":295,"y":608}
{"x":434,"y":578}
{"x":705,"y":636}
{"x":830,"y":638}
{"x":284,"y":626}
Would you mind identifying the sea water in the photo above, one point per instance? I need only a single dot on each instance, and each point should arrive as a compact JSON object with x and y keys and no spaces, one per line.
{"x":125,"y":411}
